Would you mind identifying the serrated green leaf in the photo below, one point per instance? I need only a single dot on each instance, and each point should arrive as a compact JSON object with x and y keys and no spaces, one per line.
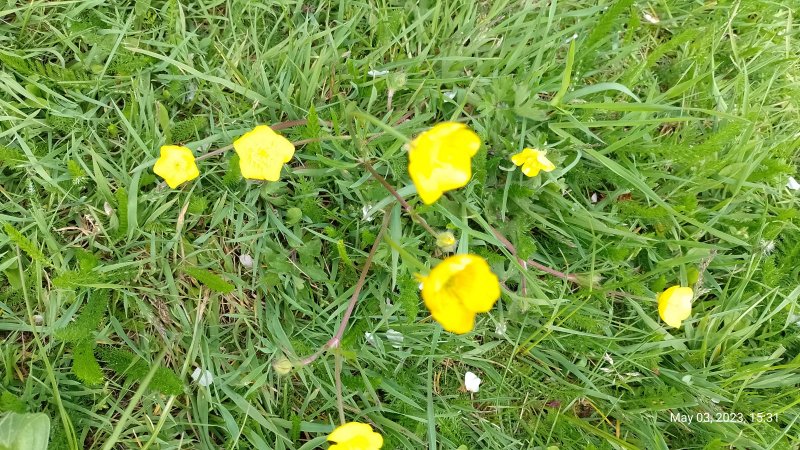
{"x":209,"y":279}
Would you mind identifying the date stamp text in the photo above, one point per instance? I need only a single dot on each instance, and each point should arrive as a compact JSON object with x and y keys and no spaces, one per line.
{"x":729,"y":417}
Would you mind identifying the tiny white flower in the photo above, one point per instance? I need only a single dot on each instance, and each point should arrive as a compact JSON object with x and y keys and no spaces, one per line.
{"x":767,"y":246}
{"x":108,"y":209}
{"x":471,"y":382}
{"x":449,"y":94}
{"x":202,"y":377}
{"x":793,"y":184}
{"x":396,"y":338}
{"x":500,"y":328}
{"x":246,"y":260}
{"x":370,"y":337}
{"x":377,"y":73}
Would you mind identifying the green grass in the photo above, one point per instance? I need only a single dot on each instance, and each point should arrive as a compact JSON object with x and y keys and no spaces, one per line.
{"x":686,"y":130}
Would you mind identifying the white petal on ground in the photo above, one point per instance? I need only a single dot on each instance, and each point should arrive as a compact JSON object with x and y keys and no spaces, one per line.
{"x":396,"y":338}
{"x":377,"y":73}
{"x":246,"y":260}
{"x":500,"y":328}
{"x":650,"y":18}
{"x":366,"y":214}
{"x":202,"y":377}
{"x":793,"y":184}
{"x":471,"y":382}
{"x":594,"y":197}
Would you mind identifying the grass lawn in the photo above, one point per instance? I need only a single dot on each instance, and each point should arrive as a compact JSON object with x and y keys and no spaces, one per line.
{"x":133,"y":315}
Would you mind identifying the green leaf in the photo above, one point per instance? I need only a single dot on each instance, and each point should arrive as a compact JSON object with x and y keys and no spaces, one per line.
{"x":11,"y":403}
{"x":24,"y":431}
{"x":134,"y":368}
{"x":122,"y":211}
{"x":209,"y":279}
{"x":163,"y":121}
{"x":185,"y":130}
{"x":10,"y":157}
{"x":31,"y":249}
{"x":233,"y":175}
{"x":565,"y":81}
{"x":90,"y":318}
{"x":84,"y":364}
{"x":606,"y":22}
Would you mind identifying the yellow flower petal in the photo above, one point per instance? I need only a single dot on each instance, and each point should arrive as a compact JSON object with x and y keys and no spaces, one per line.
{"x":519,"y":158}
{"x":533,"y":161}
{"x":440,"y":159}
{"x":355,"y":436}
{"x":457,"y":289}
{"x":262,"y":153}
{"x":176,"y":165}
{"x":675,"y":305}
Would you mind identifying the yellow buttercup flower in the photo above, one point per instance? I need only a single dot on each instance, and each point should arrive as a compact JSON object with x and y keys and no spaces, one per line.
{"x":355,"y":436}
{"x":176,"y":165}
{"x":675,"y":305}
{"x":440,"y":159}
{"x":262,"y":153}
{"x":533,"y":161}
{"x":457,"y":289}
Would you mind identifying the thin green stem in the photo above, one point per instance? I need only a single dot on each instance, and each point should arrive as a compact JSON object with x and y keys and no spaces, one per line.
{"x":337,"y":375}
{"x":69,"y":429}
{"x":133,"y":402}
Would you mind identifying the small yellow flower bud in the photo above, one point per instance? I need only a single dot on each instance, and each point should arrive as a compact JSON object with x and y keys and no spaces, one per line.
{"x":446,"y":241}
{"x":282,"y":366}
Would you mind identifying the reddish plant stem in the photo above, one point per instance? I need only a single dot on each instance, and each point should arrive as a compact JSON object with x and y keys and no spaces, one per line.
{"x":414,"y":216}
{"x":337,"y":338}
{"x":508,"y":245}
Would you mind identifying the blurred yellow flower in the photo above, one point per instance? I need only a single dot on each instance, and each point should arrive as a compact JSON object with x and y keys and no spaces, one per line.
{"x":675,"y":305}
{"x":355,"y":436}
{"x":533,"y":161}
{"x":262,"y":153}
{"x":176,"y":165}
{"x":440,"y":159}
{"x":457,"y":289}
